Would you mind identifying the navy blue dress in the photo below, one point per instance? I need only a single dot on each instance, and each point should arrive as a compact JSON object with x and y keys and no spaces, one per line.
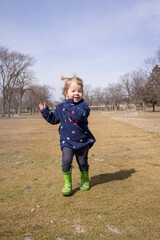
{"x":73,"y":129}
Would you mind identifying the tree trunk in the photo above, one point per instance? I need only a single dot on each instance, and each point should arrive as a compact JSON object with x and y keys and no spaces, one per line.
{"x":9,"y":108}
{"x":20,"y":104}
{"x":3,"y":105}
{"x":143,"y":107}
{"x":154,"y":105}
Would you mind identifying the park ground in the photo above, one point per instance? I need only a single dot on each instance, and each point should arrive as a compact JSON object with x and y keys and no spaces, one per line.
{"x":124,"y":199}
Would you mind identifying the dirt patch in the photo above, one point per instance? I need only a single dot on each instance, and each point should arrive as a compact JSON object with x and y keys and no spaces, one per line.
{"x":123,"y":202}
{"x":148,"y":122}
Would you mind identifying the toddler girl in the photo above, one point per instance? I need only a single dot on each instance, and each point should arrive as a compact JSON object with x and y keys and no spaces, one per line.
{"x":75,"y":137}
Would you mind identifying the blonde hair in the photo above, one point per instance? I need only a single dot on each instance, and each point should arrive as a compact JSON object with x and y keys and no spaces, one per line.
{"x":68,"y":81}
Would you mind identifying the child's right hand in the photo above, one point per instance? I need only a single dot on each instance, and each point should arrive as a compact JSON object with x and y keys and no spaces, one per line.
{"x":42,"y":106}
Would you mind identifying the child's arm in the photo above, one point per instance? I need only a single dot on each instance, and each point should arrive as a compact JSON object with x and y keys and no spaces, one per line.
{"x":77,"y":112}
{"x":48,"y":115}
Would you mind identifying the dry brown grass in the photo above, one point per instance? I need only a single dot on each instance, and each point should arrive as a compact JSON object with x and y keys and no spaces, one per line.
{"x":123,"y":202}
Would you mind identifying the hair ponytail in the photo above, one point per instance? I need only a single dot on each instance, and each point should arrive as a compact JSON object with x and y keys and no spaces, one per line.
{"x":63,"y":78}
{"x":75,"y":75}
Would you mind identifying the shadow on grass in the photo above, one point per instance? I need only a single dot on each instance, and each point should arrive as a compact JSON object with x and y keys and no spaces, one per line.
{"x":108,"y":177}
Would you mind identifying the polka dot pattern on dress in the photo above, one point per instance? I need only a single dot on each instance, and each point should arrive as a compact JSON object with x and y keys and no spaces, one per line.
{"x":69,"y":119}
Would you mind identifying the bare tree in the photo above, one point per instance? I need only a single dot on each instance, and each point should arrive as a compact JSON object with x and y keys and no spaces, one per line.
{"x":126,"y":81}
{"x":88,"y":94}
{"x":148,"y":65}
{"x":24,"y":83}
{"x":106,"y":96}
{"x":116,"y":94}
{"x":98,"y":96}
{"x":12,"y":64}
{"x":36,"y":95}
{"x":15,"y":102}
{"x":0,"y":103}
{"x":138,"y":87}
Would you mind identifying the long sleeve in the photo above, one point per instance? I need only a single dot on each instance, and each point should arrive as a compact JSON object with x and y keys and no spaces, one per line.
{"x":49,"y":116}
{"x":77,"y":112}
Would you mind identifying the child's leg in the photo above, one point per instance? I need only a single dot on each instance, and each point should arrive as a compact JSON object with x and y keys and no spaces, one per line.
{"x":67,"y":158}
{"x":82,"y":158}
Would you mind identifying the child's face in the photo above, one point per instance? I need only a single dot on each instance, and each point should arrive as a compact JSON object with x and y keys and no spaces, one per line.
{"x":74,"y":92}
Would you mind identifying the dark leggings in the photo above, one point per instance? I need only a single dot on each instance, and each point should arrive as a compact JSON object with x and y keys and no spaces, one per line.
{"x":81,"y":157}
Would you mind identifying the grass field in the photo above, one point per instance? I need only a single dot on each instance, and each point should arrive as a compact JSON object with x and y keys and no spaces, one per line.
{"x":124,"y":199}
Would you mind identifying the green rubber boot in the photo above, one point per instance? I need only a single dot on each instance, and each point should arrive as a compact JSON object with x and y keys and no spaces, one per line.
{"x":66,"y":190}
{"x":84,"y":181}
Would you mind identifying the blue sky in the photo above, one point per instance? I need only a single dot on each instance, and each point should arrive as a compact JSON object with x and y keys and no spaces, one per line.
{"x":101,"y":40}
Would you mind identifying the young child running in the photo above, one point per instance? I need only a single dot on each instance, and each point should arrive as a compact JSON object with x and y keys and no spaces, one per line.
{"x":75,"y":137}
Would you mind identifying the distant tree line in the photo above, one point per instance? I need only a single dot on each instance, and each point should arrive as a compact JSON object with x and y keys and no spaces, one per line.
{"x":18,"y":91}
{"x":17,"y":88}
{"x":141,"y":88}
